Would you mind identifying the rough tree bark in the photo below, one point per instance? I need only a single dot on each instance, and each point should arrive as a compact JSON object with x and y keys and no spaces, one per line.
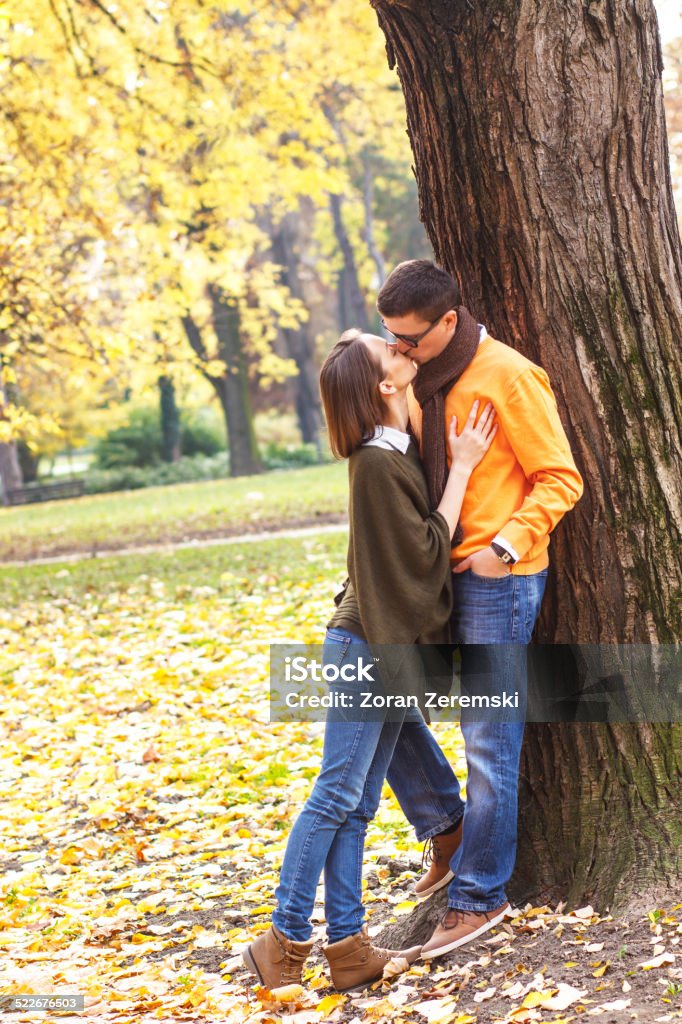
{"x":544,"y":188}
{"x":232,"y":387}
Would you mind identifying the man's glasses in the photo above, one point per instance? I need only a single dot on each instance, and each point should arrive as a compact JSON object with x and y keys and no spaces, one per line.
{"x":410,"y":339}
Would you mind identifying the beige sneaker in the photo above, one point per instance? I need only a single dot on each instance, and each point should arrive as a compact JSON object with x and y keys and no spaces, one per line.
{"x":276,"y":960}
{"x":457,"y":927}
{"x":354,"y":962}
{"x":438,"y":852}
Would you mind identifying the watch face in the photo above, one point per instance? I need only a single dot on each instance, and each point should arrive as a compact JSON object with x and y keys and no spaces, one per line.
{"x":502,"y":554}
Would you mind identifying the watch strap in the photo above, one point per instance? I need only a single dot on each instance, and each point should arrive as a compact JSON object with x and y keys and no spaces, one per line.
{"x":503,"y":554}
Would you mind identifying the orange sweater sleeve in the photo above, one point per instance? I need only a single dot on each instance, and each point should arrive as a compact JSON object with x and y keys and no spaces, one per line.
{"x":530,"y":420}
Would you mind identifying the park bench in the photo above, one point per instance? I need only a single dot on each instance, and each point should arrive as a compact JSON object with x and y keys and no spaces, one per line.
{"x":45,"y":492}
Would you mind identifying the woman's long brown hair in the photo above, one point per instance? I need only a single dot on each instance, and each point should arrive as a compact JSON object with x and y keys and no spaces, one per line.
{"x":349,"y":386}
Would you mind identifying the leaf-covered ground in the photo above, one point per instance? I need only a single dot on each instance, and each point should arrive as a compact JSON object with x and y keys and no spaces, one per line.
{"x":147,"y":799}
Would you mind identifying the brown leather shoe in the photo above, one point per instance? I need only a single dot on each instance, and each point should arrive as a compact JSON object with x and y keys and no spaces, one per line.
{"x":354,"y":962}
{"x":438,"y":853}
{"x":457,"y":927}
{"x":275,"y":959}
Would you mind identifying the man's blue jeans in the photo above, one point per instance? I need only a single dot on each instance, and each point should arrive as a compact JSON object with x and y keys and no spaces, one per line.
{"x":329,"y":833}
{"x":492,"y":622}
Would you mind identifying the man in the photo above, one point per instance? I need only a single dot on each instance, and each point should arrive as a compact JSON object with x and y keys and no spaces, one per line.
{"x":516,"y":497}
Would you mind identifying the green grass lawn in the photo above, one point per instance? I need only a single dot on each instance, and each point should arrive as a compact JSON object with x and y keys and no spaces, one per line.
{"x":230,"y":569}
{"x":174,"y":513}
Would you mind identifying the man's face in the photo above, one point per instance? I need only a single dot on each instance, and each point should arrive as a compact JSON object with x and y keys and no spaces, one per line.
{"x":431,"y":338}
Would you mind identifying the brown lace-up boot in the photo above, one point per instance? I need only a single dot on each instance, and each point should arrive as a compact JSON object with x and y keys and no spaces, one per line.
{"x":275,"y":959}
{"x":354,"y":962}
{"x":438,"y":852}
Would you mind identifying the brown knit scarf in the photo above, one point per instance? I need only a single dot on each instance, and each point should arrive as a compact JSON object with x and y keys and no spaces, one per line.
{"x":434,"y":380}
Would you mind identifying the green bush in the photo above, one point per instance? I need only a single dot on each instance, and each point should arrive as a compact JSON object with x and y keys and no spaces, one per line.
{"x":286,"y":456}
{"x":203,"y":431}
{"x":198,"y":467}
{"x":128,"y":478}
{"x":139,"y":441}
{"x":136,"y":443}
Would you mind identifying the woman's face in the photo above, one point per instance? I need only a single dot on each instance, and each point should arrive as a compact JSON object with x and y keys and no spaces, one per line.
{"x":398,"y":369}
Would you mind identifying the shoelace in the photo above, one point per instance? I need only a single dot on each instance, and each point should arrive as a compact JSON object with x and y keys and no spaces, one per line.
{"x":383,"y":954}
{"x":431,"y":852}
{"x":291,"y":974}
{"x":459,"y":915}
{"x":293,"y":962}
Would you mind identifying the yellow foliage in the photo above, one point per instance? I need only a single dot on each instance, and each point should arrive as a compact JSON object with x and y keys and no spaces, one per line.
{"x":146,"y":153}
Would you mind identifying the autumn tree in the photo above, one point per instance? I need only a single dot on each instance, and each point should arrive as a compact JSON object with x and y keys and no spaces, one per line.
{"x":144,"y":151}
{"x":545,"y":189}
{"x":135,"y":165}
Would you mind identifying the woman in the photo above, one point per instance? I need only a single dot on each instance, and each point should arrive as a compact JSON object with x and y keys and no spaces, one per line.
{"x":397,"y":593}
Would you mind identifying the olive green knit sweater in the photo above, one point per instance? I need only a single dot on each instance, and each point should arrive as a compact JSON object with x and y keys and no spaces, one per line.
{"x":398,"y":589}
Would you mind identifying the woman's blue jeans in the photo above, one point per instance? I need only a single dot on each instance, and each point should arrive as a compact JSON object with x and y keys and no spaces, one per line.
{"x":329,"y":833}
{"x":492,"y":622}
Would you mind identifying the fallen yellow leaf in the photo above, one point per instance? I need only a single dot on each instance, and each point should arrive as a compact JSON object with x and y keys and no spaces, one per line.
{"x":534,"y":999}
{"x":330,"y":1003}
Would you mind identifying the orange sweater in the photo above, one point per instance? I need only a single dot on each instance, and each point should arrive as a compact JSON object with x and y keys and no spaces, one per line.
{"x":527,"y":480}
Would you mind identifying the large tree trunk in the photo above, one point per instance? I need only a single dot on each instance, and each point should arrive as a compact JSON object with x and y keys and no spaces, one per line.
{"x":232,"y":388}
{"x":544,"y":187}
{"x":287,"y":243}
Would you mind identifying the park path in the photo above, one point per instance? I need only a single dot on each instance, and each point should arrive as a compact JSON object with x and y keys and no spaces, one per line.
{"x":199,"y":542}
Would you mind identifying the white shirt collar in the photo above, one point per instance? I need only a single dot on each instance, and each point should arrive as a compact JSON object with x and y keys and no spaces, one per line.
{"x":389,"y":438}
{"x":482,"y":333}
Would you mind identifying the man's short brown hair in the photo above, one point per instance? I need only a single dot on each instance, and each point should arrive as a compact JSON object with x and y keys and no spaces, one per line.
{"x":418,"y":286}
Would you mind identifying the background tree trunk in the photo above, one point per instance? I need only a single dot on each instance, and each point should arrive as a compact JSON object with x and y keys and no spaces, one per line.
{"x":10,"y":470}
{"x":232,"y":387}
{"x":234,"y":395}
{"x":352,"y":307}
{"x":10,"y":467}
{"x":368,"y":232}
{"x":368,"y":204}
{"x":544,"y":188}
{"x":287,"y":244}
{"x":29,"y":462}
{"x":170,"y":420}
